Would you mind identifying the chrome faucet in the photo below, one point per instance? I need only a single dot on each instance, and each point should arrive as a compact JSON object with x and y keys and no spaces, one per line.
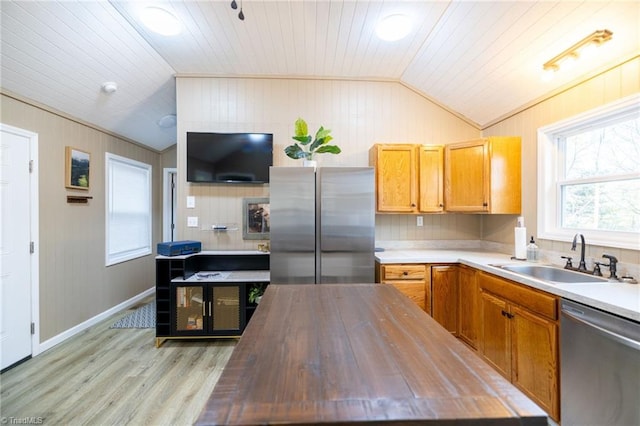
{"x":582,"y":266}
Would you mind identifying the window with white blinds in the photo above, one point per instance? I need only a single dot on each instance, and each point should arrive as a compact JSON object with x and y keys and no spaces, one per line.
{"x":128,"y":204}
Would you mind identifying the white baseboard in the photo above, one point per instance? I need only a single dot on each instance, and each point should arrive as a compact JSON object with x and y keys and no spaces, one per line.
{"x":91,"y":321}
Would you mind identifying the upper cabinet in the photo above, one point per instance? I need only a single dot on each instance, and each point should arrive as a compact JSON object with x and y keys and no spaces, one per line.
{"x":409,"y":178}
{"x":483,"y":176}
{"x":431,"y":178}
{"x":396,"y":177}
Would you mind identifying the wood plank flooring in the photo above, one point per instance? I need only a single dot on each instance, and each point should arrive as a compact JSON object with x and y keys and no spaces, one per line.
{"x":106,"y":376}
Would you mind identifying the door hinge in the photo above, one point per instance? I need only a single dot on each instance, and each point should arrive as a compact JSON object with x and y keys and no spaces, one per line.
{"x":33,"y":328}
{"x":32,"y":247}
{"x":30,"y":166}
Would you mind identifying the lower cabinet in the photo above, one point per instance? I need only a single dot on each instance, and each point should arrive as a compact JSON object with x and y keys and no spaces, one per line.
{"x":207,"y":294}
{"x":513,"y":327}
{"x":410,"y":279}
{"x":468,"y":293}
{"x":518,"y":336}
{"x":444,"y":296}
{"x":208,"y":309}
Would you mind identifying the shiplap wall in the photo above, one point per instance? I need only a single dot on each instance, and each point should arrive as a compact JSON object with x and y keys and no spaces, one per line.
{"x":359,"y":113}
{"x":75,"y":285}
{"x":619,"y":82}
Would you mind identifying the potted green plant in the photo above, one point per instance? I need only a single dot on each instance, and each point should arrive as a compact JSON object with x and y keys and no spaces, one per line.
{"x":306,"y":146}
{"x":255,"y":293}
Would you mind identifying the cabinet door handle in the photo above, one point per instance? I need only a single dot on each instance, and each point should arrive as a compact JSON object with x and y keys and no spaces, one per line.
{"x":485,"y":204}
{"x":204,"y":309}
{"x":210,"y":311}
{"x":405,"y":273}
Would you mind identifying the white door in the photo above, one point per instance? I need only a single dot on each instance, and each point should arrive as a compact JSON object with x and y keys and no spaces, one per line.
{"x":15,"y":264}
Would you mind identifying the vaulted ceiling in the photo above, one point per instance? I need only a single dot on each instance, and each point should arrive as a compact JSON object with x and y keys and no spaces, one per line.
{"x":480,"y":59}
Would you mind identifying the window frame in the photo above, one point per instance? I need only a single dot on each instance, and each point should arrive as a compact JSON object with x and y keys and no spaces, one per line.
{"x":549,"y":196}
{"x":144,"y":249}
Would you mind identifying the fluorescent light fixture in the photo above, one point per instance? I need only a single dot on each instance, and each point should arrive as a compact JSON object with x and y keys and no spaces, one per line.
{"x":160,"y":21}
{"x":568,"y":57}
{"x":394,"y":27}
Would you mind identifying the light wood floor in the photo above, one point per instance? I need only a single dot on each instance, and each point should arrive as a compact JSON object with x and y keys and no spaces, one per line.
{"x":108,"y":376}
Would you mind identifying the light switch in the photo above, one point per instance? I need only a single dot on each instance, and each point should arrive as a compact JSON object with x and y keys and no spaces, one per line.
{"x":192,"y":221}
{"x":191,"y":202}
{"x":419,"y":221}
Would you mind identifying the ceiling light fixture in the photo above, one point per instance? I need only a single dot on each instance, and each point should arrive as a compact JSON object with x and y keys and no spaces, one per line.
{"x":167,"y":121}
{"x":570,"y":55}
{"x":393,"y":27}
{"x":160,"y":21}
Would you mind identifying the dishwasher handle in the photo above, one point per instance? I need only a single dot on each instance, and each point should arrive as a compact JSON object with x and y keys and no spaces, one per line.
{"x":608,"y":333}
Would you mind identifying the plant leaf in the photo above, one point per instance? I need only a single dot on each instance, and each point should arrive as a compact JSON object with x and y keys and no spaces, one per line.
{"x":301,"y":127}
{"x":322,"y":133}
{"x":294,"y":151}
{"x":304,"y":140}
{"x":330,"y":149}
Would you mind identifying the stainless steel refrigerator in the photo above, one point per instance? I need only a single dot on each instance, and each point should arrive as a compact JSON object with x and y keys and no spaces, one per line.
{"x":322,"y":225}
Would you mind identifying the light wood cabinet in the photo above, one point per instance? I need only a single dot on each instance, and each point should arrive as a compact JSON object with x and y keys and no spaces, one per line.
{"x":411,"y":279}
{"x":431,"y":178}
{"x":483,"y":176}
{"x":518,"y":336}
{"x":444,"y":296}
{"x":468,"y":305}
{"x":409,"y":178}
{"x":396,"y":177}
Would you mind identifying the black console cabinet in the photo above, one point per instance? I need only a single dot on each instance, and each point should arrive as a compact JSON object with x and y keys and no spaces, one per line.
{"x":205,"y":295}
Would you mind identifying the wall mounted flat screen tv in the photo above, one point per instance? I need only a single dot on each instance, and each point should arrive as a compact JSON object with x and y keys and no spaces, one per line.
{"x":229,"y":157}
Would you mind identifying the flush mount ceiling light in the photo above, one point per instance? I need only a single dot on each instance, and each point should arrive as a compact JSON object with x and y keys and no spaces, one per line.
{"x":393,"y":27}
{"x":573,"y":53}
{"x":160,"y":21}
{"x":167,"y":121}
{"x":109,"y":87}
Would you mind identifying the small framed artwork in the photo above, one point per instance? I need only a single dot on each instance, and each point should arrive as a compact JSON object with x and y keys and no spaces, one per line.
{"x":255,"y":218}
{"x":77,"y":164}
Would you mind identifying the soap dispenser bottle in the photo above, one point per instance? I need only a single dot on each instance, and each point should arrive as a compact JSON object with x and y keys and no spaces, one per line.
{"x":532,"y":251}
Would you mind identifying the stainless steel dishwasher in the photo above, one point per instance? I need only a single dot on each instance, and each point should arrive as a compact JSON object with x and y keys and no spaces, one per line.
{"x":600,"y":367}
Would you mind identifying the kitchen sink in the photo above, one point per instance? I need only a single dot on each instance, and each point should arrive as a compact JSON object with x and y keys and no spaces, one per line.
{"x":551,"y":273}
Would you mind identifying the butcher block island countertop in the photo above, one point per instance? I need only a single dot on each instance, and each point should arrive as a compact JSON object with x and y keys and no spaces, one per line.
{"x":357,"y":353}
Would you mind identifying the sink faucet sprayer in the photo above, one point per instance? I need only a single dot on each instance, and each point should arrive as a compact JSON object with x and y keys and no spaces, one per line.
{"x":582,"y":266}
{"x":612,"y":266}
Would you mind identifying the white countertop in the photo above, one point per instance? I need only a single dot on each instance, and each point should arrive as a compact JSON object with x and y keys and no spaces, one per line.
{"x":225,"y":277}
{"x":618,"y":298}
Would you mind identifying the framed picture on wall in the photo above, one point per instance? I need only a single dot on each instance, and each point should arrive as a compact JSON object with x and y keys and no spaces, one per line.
{"x":77,"y":164}
{"x":255,"y":218}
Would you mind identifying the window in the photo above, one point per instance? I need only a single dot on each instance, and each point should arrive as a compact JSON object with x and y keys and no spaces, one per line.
{"x":589,"y":176}
{"x":128,"y":204}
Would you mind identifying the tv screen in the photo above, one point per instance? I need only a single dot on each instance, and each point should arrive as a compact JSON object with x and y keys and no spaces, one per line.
{"x":229,"y":157}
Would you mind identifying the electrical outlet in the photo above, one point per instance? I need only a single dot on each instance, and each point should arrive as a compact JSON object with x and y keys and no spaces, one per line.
{"x":191,"y":202}
{"x":192,"y":221}
{"x":419,"y":221}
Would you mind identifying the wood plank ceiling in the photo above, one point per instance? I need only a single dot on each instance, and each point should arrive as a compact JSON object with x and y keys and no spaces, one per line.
{"x":480,"y":59}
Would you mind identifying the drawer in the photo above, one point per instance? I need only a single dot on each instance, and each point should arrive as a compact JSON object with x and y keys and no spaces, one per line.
{"x":403,"y":272}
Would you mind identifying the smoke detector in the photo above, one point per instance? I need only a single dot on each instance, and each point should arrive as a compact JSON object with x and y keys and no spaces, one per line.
{"x":109,"y":87}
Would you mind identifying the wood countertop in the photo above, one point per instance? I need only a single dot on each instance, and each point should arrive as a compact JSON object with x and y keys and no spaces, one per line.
{"x":357,"y":353}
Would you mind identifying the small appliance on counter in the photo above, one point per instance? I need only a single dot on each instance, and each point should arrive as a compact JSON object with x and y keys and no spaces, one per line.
{"x":178,"y":248}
